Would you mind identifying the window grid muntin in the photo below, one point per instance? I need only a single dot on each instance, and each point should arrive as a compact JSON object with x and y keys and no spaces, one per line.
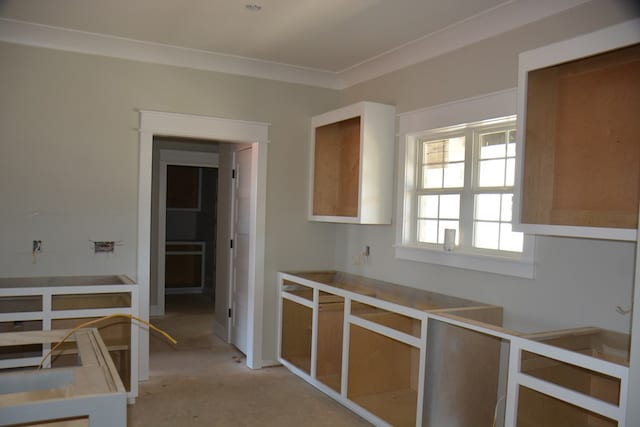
{"x":500,"y":222}
{"x":476,"y":189}
{"x":465,"y":237}
{"x":438,"y":218}
{"x":424,"y":164}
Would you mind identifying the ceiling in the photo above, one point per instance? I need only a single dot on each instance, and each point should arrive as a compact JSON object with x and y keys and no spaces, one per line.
{"x":329,"y":35}
{"x":327,"y":43}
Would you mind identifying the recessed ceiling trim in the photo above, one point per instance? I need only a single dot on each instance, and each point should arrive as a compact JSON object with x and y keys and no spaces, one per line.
{"x":27,"y":33}
{"x":492,"y":22}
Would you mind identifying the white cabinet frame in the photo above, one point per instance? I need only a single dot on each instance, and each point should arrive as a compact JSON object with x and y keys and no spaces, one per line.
{"x":375,"y":181}
{"x":350,"y":319}
{"x":610,"y":38}
{"x":517,"y":345}
{"x":46,"y":315}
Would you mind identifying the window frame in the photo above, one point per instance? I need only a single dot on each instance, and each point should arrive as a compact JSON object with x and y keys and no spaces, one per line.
{"x":492,"y":110}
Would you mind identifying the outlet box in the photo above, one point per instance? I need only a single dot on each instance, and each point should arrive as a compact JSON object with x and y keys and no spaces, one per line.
{"x":103,"y":247}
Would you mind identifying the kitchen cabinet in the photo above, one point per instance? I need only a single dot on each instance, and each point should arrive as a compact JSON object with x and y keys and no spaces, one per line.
{"x":578,"y":136}
{"x":352,"y":164}
{"x":364,"y":342}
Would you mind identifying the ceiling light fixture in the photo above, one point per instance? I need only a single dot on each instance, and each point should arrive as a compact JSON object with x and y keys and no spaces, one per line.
{"x":253,"y":7}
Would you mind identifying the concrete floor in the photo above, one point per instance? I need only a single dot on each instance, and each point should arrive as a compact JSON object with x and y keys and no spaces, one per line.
{"x":205,"y":382}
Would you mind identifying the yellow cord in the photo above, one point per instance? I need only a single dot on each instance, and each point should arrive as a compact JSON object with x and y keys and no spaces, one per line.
{"x":91,"y":322}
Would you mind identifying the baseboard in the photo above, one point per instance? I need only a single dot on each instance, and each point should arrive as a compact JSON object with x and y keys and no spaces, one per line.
{"x":220,"y":331}
{"x":270,"y":363}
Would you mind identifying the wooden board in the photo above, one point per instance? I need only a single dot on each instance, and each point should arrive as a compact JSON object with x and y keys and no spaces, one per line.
{"x":582,"y":150}
{"x":535,"y":409}
{"x":116,"y":334}
{"x":397,"y":407}
{"x":184,"y":270}
{"x":337,"y":169}
{"x":377,"y":366}
{"x":329,"y":351}
{"x":296,"y":334}
{"x":90,"y":301}
{"x":89,"y":393}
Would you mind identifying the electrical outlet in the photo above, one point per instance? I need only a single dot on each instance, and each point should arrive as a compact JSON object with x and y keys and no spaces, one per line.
{"x":103,"y":247}
{"x":37,"y":246}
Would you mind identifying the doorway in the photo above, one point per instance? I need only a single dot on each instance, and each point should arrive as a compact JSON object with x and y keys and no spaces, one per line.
{"x":255,"y":134}
{"x":184,"y":220}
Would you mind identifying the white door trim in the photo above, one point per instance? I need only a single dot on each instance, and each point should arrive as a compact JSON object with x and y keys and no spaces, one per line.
{"x":156,"y":123}
{"x":200,"y":159}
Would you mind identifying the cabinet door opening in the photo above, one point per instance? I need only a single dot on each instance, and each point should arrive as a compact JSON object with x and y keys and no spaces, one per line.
{"x":337,"y":169}
{"x":581,"y":151}
{"x":296,"y":334}
{"x":330,"y":333}
{"x":383,"y":376}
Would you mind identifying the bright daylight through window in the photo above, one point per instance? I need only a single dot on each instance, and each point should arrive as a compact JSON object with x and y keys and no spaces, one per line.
{"x":465,"y":178}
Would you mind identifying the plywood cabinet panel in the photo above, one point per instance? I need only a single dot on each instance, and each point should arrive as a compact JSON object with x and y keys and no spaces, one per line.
{"x":352,"y":164}
{"x":579,"y":143}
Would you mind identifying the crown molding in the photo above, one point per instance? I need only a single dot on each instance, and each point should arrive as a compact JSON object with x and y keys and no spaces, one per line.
{"x":500,"y":19}
{"x":27,"y":33}
{"x":492,"y":22}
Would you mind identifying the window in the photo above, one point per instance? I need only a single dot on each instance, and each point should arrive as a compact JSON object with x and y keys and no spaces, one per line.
{"x":465,"y":183}
{"x":462,"y":177}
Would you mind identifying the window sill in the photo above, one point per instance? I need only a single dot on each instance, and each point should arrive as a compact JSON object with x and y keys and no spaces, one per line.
{"x":508,"y":266}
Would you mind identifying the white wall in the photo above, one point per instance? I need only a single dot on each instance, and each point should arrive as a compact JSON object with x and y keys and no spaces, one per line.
{"x":69,"y":159}
{"x":578,"y":282}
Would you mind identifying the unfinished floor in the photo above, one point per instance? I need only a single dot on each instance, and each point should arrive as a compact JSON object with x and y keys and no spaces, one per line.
{"x":205,"y":382}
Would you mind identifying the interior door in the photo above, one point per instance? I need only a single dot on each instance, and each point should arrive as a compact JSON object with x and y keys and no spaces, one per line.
{"x":240,"y":250}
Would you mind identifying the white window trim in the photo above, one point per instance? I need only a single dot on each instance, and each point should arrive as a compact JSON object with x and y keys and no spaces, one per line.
{"x":414,"y":124}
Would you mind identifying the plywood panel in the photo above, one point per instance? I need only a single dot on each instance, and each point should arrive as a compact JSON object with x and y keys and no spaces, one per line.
{"x":329,"y":352}
{"x":183,"y":271}
{"x":337,"y":169}
{"x":379,"y":368}
{"x":536,"y":409}
{"x":296,"y":334}
{"x":377,"y":363}
{"x":116,"y":334}
{"x":582,"y":151}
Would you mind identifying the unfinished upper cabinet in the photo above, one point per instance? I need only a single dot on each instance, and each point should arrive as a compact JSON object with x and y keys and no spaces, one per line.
{"x":352,"y":164}
{"x":579,"y":136}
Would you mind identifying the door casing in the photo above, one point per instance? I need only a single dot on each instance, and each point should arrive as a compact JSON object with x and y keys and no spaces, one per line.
{"x":156,"y":123}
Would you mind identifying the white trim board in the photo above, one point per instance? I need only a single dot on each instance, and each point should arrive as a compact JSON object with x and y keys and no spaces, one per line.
{"x":489,"y":23}
{"x":32,"y":34}
{"x":223,"y":130}
{"x":505,"y":17}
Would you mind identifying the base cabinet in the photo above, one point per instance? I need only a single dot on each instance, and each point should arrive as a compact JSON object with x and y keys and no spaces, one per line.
{"x":400,"y":356}
{"x":53,"y":303}
{"x":365,"y":344}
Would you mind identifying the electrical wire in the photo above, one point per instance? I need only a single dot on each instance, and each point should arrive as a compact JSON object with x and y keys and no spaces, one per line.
{"x":92,"y":322}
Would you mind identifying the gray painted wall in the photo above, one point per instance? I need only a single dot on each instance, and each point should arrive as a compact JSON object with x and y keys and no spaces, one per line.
{"x":69,"y":160}
{"x":578,"y":282}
